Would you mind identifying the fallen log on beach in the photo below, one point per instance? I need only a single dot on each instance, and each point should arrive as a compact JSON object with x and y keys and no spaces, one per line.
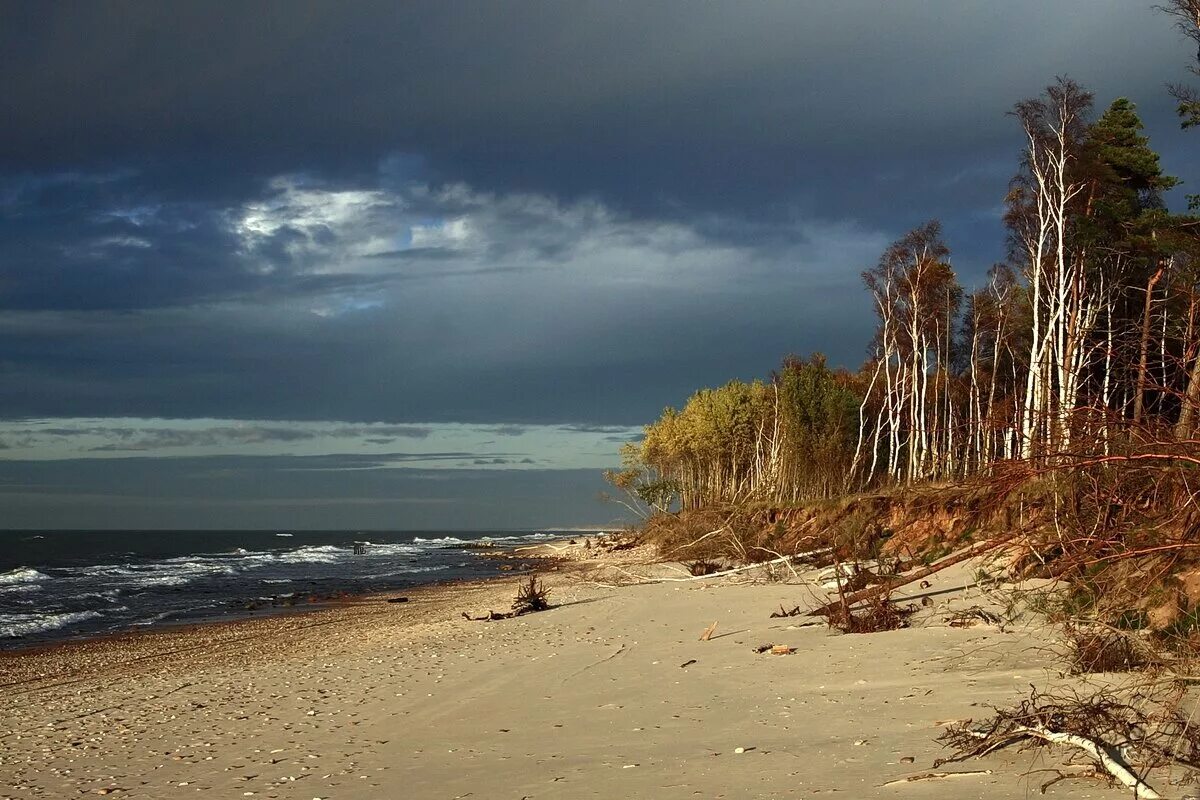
{"x":1100,"y":752}
{"x":890,"y":585}
{"x":642,"y":579}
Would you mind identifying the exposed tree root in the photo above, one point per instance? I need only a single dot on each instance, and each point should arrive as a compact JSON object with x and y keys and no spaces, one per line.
{"x":1112,"y":733}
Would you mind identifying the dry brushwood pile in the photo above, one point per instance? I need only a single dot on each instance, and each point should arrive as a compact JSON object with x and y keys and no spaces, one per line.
{"x":880,"y":613}
{"x":532,"y":596}
{"x":1123,"y":738}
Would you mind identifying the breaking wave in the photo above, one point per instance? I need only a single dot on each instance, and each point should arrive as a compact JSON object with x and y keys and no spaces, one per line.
{"x":25,"y":624}
{"x":22,"y":575}
{"x":226,"y":575}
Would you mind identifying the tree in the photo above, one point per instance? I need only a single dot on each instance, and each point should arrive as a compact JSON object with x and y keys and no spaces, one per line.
{"x":1063,"y":301}
{"x":1123,"y":223}
{"x":1187,"y":20}
{"x":917,"y":299}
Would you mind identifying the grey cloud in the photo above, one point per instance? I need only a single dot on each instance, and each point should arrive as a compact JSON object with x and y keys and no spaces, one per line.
{"x":356,"y":461}
{"x":788,"y":95}
{"x":632,"y":437}
{"x":507,"y":430}
{"x":160,"y":438}
{"x":402,"y":431}
{"x":594,"y":336}
{"x":596,"y":428}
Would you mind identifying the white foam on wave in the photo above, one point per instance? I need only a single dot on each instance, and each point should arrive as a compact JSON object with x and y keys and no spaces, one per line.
{"x":173,"y":572}
{"x":110,"y":595}
{"x":188,"y":569}
{"x":16,"y":589}
{"x":22,"y":575}
{"x":442,"y":540}
{"x":313,"y":554}
{"x":25,"y":624}
{"x":434,"y":568}
{"x":390,"y":549}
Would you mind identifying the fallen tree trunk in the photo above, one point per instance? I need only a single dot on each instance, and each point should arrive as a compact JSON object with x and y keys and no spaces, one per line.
{"x":1097,"y":750}
{"x":781,"y":560}
{"x":1101,"y":753}
{"x":888,"y":586}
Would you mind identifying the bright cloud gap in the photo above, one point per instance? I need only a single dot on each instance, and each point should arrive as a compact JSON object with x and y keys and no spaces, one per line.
{"x":357,"y":445}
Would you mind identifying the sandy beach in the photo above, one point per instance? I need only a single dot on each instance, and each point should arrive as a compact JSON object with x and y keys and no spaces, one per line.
{"x":608,"y":694}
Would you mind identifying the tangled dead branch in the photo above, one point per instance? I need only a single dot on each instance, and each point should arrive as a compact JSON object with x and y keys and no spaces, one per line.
{"x":532,"y":596}
{"x":1126,"y":739}
{"x":1100,"y":649}
{"x":879,"y":613}
{"x":974,"y":615}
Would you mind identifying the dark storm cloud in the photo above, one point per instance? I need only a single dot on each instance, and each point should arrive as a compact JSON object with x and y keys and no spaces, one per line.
{"x":506,"y":214}
{"x":700,"y":104}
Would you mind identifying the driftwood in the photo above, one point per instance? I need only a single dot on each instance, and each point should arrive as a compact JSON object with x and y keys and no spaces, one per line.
{"x":888,"y":586}
{"x":708,"y":632}
{"x":1100,"y":752}
{"x":782,"y":559}
{"x":1149,"y":730}
{"x":937,"y":776}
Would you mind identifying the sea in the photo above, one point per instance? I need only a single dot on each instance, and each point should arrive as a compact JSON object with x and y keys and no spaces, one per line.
{"x":57,"y":585}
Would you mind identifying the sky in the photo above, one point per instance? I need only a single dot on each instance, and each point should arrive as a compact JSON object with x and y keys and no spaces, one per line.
{"x":427,"y":265}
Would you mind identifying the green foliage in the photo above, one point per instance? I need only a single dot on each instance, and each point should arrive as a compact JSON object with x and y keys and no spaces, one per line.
{"x":1189,"y":113}
{"x":1125,"y":182}
{"x":650,"y":492}
{"x":787,"y":439}
{"x":818,"y":418}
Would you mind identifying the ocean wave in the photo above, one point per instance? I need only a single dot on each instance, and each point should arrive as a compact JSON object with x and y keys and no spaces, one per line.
{"x":162,"y":616}
{"x":12,"y":625}
{"x":313,"y":554}
{"x":391,"y":549}
{"x":109,"y":594}
{"x":14,"y":589}
{"x":22,"y":575}
{"x":520,"y":537}
{"x":433,"y":568}
{"x":173,"y":572}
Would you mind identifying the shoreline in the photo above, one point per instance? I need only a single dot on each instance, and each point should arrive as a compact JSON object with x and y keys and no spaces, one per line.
{"x":262,"y":608}
{"x":169,"y":638}
{"x":609,"y":693}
